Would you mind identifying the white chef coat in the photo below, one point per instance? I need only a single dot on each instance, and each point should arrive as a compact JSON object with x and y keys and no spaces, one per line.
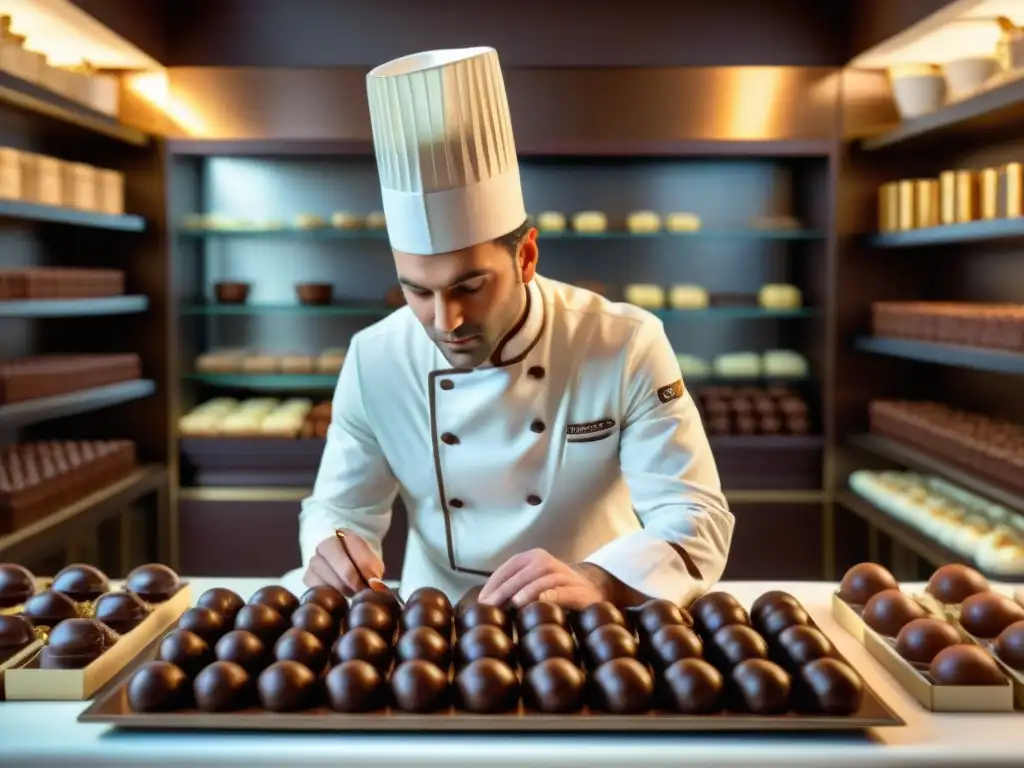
{"x":578,"y":437}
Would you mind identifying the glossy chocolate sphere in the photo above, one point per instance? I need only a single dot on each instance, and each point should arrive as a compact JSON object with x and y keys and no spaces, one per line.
{"x":484,"y":642}
{"x":16,"y":633}
{"x":774,"y":622}
{"x":768,"y":602}
{"x":222,"y":601}
{"x":17,"y":584}
{"x":287,"y":686}
{"x":539,"y":612}
{"x":244,"y":649}
{"x":554,"y":685}
{"x":185,"y":650}
{"x":278,"y":598}
{"x":431,"y":597}
{"x":426,"y":615}
{"x":81,"y":582}
{"x":622,"y":686}
{"x":597,"y":615}
{"x":263,"y":621}
{"x":607,"y":642}
{"x":487,"y":686}
{"x":655,"y":614}
{"x":303,"y":647}
{"x":355,"y":686}
{"x":672,"y":643}
{"x":471,"y":597}
{"x":223,"y":687}
{"x":761,"y":687}
{"x":863,"y":581}
{"x":385,"y":599}
{"x":965,"y":665}
{"x":154,"y":583}
{"x":547,"y":641}
{"x":373,"y":617}
{"x":888,"y":611}
{"x":802,"y":644}
{"x":834,"y":687}
{"x":419,"y":686}
{"x":423,"y":643}
{"x":49,"y":608}
{"x":953,"y":583}
{"x":158,"y":686}
{"x":481,"y":614}
{"x":328,"y":598}
{"x":713,"y":601}
{"x":206,"y":623}
{"x":76,"y":643}
{"x":1009,"y":646}
{"x":920,"y":640}
{"x":692,"y":687}
{"x":736,"y":643}
{"x":986,"y":614}
{"x":364,"y":644}
{"x":317,"y":621}
{"x":121,"y":611}
{"x":712,"y":619}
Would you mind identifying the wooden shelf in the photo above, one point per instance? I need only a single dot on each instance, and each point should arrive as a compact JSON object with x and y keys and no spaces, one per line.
{"x":84,"y":401}
{"x":998,"y":109}
{"x":919,"y":461}
{"x":333,"y":233}
{"x":16,"y":209}
{"x":26,"y":96}
{"x":953,"y":355}
{"x":951,"y":234}
{"x":82,"y":515}
{"x":110,"y":305}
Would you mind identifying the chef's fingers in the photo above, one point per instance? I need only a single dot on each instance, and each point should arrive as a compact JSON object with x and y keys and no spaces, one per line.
{"x":327,"y":575}
{"x":537,"y":569}
{"x":546,"y":584}
{"x":369,"y":565}
{"x":338,"y":561}
{"x":507,"y":570}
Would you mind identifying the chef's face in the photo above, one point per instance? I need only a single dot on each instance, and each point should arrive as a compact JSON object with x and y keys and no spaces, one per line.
{"x":468,"y":300}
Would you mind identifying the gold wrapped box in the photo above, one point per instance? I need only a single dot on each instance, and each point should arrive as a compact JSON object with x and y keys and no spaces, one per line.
{"x":958,"y":192}
{"x":917,"y":204}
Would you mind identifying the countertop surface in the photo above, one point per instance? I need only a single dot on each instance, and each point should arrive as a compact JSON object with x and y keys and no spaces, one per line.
{"x":48,"y":734}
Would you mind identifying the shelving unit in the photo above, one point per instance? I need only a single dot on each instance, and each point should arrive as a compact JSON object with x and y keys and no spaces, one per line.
{"x":111,"y":305}
{"x":43,"y":409}
{"x":16,"y":209}
{"x":993,"y":360}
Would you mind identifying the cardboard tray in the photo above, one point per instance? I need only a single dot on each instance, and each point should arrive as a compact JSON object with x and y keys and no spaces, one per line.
{"x":111,"y":707}
{"x":30,"y":683}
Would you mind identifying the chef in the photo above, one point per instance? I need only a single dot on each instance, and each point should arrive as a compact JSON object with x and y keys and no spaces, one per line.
{"x":541,"y":437}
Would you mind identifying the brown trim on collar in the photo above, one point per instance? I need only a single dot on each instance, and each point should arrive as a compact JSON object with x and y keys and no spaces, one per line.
{"x":496,"y":354}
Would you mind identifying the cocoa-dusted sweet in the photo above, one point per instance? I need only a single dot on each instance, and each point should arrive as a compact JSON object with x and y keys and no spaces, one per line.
{"x":863,"y":581}
{"x":316,"y":620}
{"x":205,"y":622}
{"x":49,"y":608}
{"x":17,"y":584}
{"x":986,"y":614}
{"x":16,"y":634}
{"x":920,"y":640}
{"x":692,"y":687}
{"x":802,"y":644}
{"x":287,"y":686}
{"x":355,"y":686}
{"x":539,"y":612}
{"x":484,"y":642}
{"x":622,"y":686}
{"x":888,"y":611}
{"x":263,"y":621}
{"x":121,"y":611}
{"x":834,"y":686}
{"x":223,"y":686}
{"x":76,"y":643}
{"x":186,"y":650}
{"x":761,"y":687}
{"x":1009,"y":646}
{"x":479,"y":614}
{"x":597,"y":615}
{"x":328,"y":598}
{"x":965,"y":665}
{"x":374,"y":617}
{"x":953,"y":583}
{"x":276,"y":597}
{"x":419,"y":686}
{"x":81,"y":582}
{"x":426,"y":614}
{"x":554,"y":685}
{"x":365,"y":644}
{"x":607,"y":642}
{"x":244,"y":649}
{"x":546,"y":641}
{"x":158,"y":686}
{"x":736,"y":643}
{"x":487,"y":686}
{"x":303,"y":647}
{"x":223,"y":601}
{"x":153,"y":582}
{"x":423,"y":643}
{"x":672,"y":643}
{"x":430,"y":596}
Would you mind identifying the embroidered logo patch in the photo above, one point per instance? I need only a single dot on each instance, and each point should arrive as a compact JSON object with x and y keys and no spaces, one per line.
{"x":589,"y":427}
{"x":672,"y":392}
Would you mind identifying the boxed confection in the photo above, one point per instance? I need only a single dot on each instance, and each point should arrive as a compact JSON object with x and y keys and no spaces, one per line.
{"x":49,"y":375}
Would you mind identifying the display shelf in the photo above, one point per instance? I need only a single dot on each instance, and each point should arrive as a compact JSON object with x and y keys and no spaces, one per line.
{"x":84,"y":401}
{"x":333,"y":233}
{"x":954,"y":355}
{"x":53,"y":214}
{"x":110,"y":305}
{"x":735,"y":313}
{"x":62,"y":525}
{"x":997,"y":108}
{"x":919,"y":461}
{"x":951,"y":234}
{"x":26,"y":96}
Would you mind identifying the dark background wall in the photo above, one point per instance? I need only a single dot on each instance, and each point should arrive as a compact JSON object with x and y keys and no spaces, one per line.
{"x":528,"y":33}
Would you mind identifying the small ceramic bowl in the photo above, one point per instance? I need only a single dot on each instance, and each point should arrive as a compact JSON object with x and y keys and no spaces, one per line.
{"x":232,"y":293}
{"x":315,"y":293}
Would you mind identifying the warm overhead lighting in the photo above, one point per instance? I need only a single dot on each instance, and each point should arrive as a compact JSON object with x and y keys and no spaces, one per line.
{"x":154,"y":88}
{"x":963,"y":29}
{"x":68,"y":35}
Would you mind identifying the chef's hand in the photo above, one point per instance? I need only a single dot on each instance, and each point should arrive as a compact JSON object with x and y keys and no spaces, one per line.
{"x":339,"y":566}
{"x":537,"y":575}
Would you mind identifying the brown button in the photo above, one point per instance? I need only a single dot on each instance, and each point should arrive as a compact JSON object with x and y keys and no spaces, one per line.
{"x":538,"y":426}
{"x":535,"y":372}
{"x":533,"y":500}
{"x":455,"y":503}
{"x":447,"y":384}
{"x":449,"y":439}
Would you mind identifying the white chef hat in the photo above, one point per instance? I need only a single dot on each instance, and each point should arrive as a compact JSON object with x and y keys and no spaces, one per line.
{"x":445,"y":152}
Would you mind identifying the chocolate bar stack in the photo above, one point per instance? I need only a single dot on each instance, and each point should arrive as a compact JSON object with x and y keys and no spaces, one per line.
{"x":59,"y":283}
{"x":753,"y":411}
{"x":994,"y":326}
{"x":48,"y":375}
{"x":317,"y":420}
{"x":38,"y":478}
{"x":986,"y":446}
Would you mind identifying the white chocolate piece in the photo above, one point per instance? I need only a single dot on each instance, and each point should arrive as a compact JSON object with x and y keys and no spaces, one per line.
{"x":309,"y":221}
{"x":643,"y":222}
{"x":693,"y":367}
{"x":645,"y":295}
{"x":590,"y":222}
{"x":686,"y":296}
{"x":785,"y":362}
{"x":375,"y":220}
{"x":199,"y":424}
{"x":258,"y":405}
{"x":282,"y":424}
{"x":551,"y":221}
{"x":738,"y":365}
{"x":780,"y":296}
{"x":346,"y":220}
{"x":682,"y":222}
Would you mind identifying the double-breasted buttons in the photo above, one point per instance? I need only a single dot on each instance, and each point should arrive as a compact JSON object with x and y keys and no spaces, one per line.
{"x":449,"y":439}
{"x":533,"y":500}
{"x":447,"y":384}
{"x":535,"y":372}
{"x":537,"y":426}
{"x":455,"y":503}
